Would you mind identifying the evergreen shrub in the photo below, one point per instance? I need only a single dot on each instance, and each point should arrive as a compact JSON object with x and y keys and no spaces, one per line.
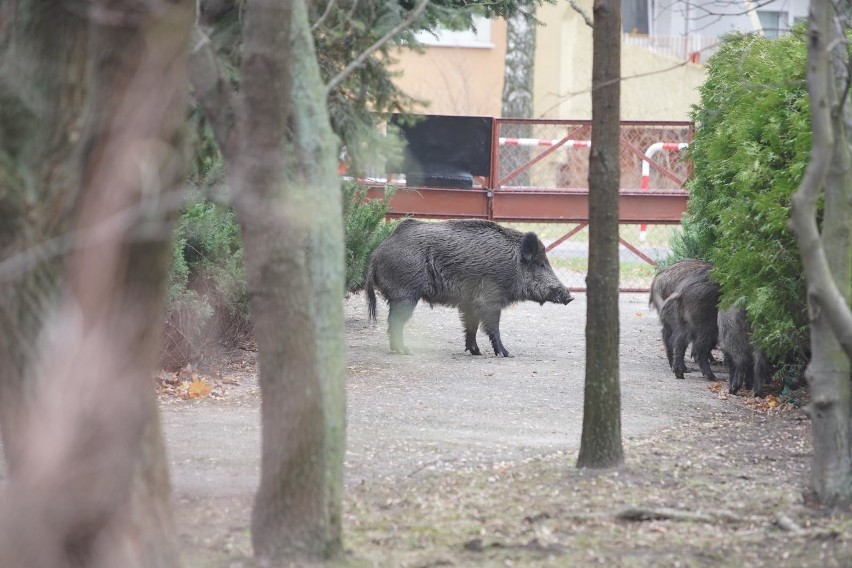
{"x":750,"y":150}
{"x":365,"y":228}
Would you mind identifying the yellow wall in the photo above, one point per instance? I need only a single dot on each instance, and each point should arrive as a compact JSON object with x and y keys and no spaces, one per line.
{"x":653,"y":87}
{"x":457,"y":80}
{"x":469,"y":81}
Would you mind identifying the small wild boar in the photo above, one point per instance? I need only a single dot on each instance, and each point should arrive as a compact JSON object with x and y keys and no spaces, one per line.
{"x":747,"y":364}
{"x":689,"y":314}
{"x":476,"y":265}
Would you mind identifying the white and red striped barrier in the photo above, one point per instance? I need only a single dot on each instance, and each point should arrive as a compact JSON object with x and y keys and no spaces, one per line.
{"x":646,"y":171}
{"x":653,"y":149}
{"x":542,"y":142}
{"x":646,"y":164}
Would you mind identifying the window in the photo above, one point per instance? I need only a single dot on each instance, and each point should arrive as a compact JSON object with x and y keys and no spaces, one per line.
{"x":773,"y":23}
{"x":460,"y":38}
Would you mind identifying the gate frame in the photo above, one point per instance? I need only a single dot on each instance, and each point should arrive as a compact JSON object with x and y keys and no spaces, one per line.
{"x":492,"y":201}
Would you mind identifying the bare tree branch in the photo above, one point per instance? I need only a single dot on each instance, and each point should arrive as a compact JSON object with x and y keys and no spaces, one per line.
{"x":325,"y":14}
{"x":583,"y":14}
{"x":358,"y":61}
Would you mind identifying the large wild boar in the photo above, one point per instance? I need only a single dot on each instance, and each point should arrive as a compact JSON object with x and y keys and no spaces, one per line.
{"x":747,"y":364}
{"x":689,"y":314}
{"x":476,"y":265}
{"x":664,"y":284}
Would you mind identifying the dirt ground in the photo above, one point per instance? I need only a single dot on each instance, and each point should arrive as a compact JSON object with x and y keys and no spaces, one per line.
{"x":456,"y":460}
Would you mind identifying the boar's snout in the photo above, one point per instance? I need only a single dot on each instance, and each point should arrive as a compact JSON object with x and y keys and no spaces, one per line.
{"x":561,"y":296}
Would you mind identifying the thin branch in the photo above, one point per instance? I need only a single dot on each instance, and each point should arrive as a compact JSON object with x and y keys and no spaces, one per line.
{"x":585,"y":16}
{"x":358,"y":61}
{"x":568,"y":95}
{"x":325,"y":14}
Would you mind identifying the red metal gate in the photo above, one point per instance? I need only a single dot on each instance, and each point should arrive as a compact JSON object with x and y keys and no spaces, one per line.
{"x":539,"y":175}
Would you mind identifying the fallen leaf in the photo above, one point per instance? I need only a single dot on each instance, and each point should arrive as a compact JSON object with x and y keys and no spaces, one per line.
{"x":198,"y":388}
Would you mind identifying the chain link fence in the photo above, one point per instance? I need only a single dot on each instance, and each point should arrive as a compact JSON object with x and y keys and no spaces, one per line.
{"x":522,"y":142}
{"x":568,"y":251}
{"x":651,"y":159}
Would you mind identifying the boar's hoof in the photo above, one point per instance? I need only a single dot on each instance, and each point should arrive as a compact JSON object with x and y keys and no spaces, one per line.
{"x":474,"y":349}
{"x":401,"y":350}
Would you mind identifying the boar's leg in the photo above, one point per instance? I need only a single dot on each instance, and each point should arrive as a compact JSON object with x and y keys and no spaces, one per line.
{"x":703,"y":343}
{"x":668,"y":332}
{"x":734,"y":373}
{"x":399,"y":312}
{"x":679,"y":342}
{"x":470,"y":321}
{"x":703,"y":347}
{"x":491,"y":326}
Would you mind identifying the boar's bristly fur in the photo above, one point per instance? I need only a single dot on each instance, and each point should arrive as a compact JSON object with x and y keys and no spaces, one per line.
{"x":478,"y":266}
{"x":747,"y":364}
{"x":689,"y":314}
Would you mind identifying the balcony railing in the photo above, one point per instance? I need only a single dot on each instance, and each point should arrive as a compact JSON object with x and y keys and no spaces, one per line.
{"x":694,"y":48}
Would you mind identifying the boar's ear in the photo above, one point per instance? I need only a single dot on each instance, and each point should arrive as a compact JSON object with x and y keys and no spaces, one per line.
{"x":529,"y":247}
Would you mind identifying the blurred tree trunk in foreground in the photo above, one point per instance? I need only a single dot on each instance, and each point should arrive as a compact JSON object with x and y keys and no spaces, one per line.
{"x":92,"y":99}
{"x":827,"y":255}
{"x":600,"y":444}
{"x":280,"y":157}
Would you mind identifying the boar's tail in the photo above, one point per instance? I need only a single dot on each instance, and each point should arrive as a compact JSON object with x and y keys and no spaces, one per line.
{"x":371,"y":296}
{"x":670,"y":306}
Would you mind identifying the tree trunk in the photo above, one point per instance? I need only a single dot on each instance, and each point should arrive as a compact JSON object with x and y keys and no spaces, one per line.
{"x":826,"y":257}
{"x":600,"y":444}
{"x":518,"y":85}
{"x":95,"y":143}
{"x":288,"y":203}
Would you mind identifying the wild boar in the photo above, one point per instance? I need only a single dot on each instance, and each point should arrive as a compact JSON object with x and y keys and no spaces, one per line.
{"x":478,"y":266}
{"x":689,"y":314}
{"x":666,"y":282}
{"x":747,"y":364}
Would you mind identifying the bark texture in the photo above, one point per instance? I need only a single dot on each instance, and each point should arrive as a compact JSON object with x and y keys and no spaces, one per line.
{"x":280,"y":156}
{"x":97,"y":144}
{"x":827,"y":256}
{"x":600,"y":444}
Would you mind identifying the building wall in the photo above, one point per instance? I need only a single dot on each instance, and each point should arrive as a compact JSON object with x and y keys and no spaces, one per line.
{"x":654,"y":87}
{"x":717,"y":17}
{"x":457,"y":80}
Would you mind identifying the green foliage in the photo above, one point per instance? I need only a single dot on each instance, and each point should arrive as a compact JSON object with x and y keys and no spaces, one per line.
{"x":365,"y":228}
{"x":749,"y":153}
{"x":213,"y":251}
{"x":361,"y":103}
{"x":207,"y":299}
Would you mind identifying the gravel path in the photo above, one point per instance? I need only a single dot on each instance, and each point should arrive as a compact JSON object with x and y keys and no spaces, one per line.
{"x":442,"y":408}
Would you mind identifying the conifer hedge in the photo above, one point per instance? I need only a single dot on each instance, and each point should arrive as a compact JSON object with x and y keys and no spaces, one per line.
{"x":750,"y":150}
